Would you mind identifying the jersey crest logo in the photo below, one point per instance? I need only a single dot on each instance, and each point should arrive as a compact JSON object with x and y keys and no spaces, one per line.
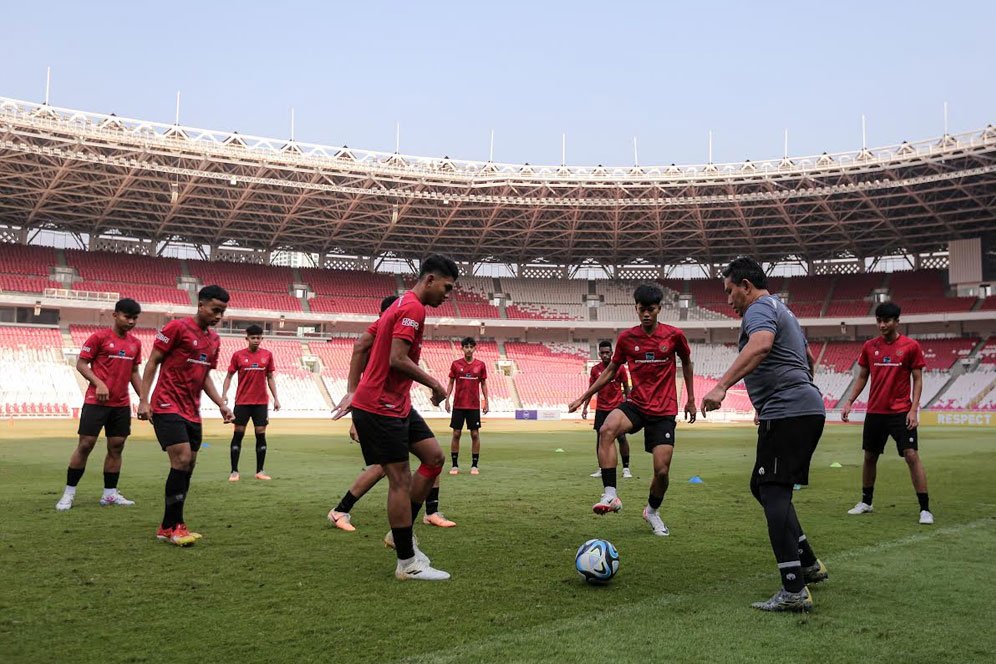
{"x":899,"y":353}
{"x":663,"y":348}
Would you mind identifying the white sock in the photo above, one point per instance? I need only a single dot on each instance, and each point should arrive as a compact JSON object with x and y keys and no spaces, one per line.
{"x":109,"y":492}
{"x":70,"y":491}
{"x":405,"y":562}
{"x":651,"y":510}
{"x":610,"y":492}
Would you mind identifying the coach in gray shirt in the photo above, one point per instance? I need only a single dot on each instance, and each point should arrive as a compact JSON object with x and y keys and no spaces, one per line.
{"x":776,"y":365}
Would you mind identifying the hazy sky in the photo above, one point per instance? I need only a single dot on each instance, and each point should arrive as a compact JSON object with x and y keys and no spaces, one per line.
{"x":450,"y":72}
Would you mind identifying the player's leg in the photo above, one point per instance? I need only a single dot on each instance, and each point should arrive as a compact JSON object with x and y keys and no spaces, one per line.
{"x":238,"y":433}
{"x":874,"y":434}
{"x":600,"y":416}
{"x":662,"y":454}
{"x":475,"y":447}
{"x":456,"y":424}
{"x":117,"y":430}
{"x":77,"y":465}
{"x":908,"y":448}
{"x":339,"y":516}
{"x":617,"y":422}
{"x":260,"y":432}
{"x":177,"y":484}
{"x":624,"y":453}
{"x":427,"y":475}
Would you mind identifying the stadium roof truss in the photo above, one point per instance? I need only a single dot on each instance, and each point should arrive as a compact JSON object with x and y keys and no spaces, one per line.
{"x":96,"y":174}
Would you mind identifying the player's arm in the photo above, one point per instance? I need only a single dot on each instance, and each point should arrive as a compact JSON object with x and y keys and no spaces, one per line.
{"x":136,"y":380}
{"x":913,"y":417}
{"x":859,"y":386}
{"x":357,"y":363}
{"x":758,"y":346}
{"x":604,"y":379}
{"x":151,"y":366}
{"x":484,"y":392}
{"x":212,"y":392}
{"x":83,"y":366}
{"x":587,"y":402}
{"x":625,"y":390}
{"x":811,"y":361}
{"x":271,"y":382}
{"x":403,"y":364}
{"x":227,"y":384}
{"x":449,"y":391}
{"x":688,"y":373}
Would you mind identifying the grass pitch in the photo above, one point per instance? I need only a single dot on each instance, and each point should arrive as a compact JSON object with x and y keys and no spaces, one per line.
{"x":270,"y":582}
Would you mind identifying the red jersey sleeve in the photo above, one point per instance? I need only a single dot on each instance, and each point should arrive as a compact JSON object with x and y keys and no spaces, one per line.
{"x":618,"y":358}
{"x":167,"y":337}
{"x":372,"y":329}
{"x":233,"y":367}
{"x":410,"y":319}
{"x":681,"y":347}
{"x":90,"y":347}
{"x":622,"y":375}
{"x":591,"y":376}
{"x":453,"y":370}
{"x":484,"y":371}
{"x":215,"y":356}
{"x":917,"y":360}
{"x":270,"y":365}
{"x":863,"y":356}
{"x":138,"y":355}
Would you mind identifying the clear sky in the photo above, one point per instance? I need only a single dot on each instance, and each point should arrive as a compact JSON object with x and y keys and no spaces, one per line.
{"x":450,"y":72}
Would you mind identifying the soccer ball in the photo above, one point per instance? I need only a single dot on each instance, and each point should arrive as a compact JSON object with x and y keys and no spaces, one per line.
{"x":597,"y":561}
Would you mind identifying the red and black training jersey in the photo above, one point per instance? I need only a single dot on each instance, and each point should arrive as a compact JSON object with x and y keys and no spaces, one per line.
{"x":651,"y":362}
{"x":189,"y":354}
{"x":610,"y":396}
{"x":112,"y":359}
{"x":253,"y":369}
{"x":468,"y":377}
{"x":890,"y":366}
{"x":382,"y":390}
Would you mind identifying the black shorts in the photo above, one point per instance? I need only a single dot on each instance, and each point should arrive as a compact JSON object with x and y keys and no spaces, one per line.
{"x":259,"y":413}
{"x":657,"y":430}
{"x":114,"y":420}
{"x":385,"y":439}
{"x":172,"y":429}
{"x":600,"y":416}
{"x":785,"y":449}
{"x":461,"y":416}
{"x":879,"y":427}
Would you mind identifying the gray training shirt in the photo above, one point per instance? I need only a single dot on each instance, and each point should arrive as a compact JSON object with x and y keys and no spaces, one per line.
{"x":781,"y":385}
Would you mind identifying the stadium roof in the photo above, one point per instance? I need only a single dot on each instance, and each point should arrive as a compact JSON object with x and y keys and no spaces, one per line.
{"x":98,"y":174}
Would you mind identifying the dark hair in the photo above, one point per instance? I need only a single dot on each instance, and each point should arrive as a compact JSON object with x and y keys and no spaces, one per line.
{"x":386,"y":302}
{"x":605,"y":343}
{"x":128,"y":307}
{"x":887,"y":310}
{"x":468,"y":341}
{"x":212,"y":293}
{"x":254,"y":331}
{"x":439,"y":264}
{"x":648,"y":294}
{"x":745,"y":267}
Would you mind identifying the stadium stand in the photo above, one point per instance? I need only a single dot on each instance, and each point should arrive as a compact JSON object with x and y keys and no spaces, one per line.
{"x":104,"y":266}
{"x":546,"y":299}
{"x":26,"y":259}
{"x":548,"y":376}
{"x":708,"y":294}
{"x":36,"y":381}
{"x":840,"y":356}
{"x":941,"y":354}
{"x":925,"y":292}
{"x":968,"y":388}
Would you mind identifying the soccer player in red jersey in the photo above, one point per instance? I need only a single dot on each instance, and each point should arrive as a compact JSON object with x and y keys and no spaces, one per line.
{"x":608,"y":399}
{"x":187,"y":349}
{"x":649,"y":350}
{"x":891,"y":360}
{"x":470,"y":378}
{"x":387,"y":425}
{"x":109,"y":360}
{"x":255,"y":368}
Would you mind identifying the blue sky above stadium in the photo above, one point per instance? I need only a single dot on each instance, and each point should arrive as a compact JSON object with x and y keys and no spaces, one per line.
{"x":450,"y":72}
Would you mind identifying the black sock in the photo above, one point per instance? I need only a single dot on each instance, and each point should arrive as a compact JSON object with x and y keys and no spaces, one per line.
{"x":625,"y":460}
{"x":346,"y":503}
{"x":455,"y":457}
{"x":608,"y":477}
{"x":924,"y":501}
{"x":111,"y":480}
{"x":403,"y":543}
{"x":432,"y":502}
{"x":784,"y":533}
{"x":236,"y":449}
{"x":175,"y":495}
{"x":416,"y":508}
{"x":474,"y":459}
{"x":73,"y":476}
{"x":867,"y":493}
{"x":655,"y":501}
{"x":260,"y":451}
{"x":806,"y":555}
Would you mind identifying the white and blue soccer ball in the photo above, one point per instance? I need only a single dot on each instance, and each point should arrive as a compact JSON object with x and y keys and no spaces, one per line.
{"x":597,"y":561}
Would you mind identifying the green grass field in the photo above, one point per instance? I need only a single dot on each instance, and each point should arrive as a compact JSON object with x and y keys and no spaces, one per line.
{"x":271,"y":582}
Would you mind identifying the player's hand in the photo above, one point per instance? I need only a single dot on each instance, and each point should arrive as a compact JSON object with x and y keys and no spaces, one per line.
{"x":690,"y":411}
{"x":574,"y":405}
{"x":757,"y":419}
{"x":438,"y":394}
{"x":912,"y":420}
{"x":484,"y":407}
{"x":845,"y":411}
{"x":276,"y":404}
{"x":226,"y":414}
{"x":102,"y":391}
{"x":343,"y":407}
{"x":143,"y":411}
{"x":447,"y":405}
{"x":224,"y":398}
{"x":584,"y":413}
{"x":355,"y":437}
{"x":713,"y":400}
